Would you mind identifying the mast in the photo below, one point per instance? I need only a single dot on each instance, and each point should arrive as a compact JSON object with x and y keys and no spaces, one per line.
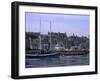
{"x":30,"y":40}
{"x":40,"y":35}
{"x":50,"y":37}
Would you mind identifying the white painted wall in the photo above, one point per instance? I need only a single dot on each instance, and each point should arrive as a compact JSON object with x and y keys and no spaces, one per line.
{"x":5,"y":40}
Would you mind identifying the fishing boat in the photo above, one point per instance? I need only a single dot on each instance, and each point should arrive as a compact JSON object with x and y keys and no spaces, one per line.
{"x":42,"y":53}
{"x":74,"y":50}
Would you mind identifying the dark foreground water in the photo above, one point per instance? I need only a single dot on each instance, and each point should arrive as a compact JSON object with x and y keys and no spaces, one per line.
{"x":70,"y":60}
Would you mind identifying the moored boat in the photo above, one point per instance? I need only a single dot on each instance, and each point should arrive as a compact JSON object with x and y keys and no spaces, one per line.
{"x":49,"y":55}
{"x":74,"y":52}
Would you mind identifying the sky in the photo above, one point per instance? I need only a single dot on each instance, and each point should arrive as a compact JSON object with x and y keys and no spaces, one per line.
{"x":64,"y":23}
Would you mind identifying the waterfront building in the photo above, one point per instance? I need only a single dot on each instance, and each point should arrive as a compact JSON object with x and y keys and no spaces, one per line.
{"x":59,"y":41}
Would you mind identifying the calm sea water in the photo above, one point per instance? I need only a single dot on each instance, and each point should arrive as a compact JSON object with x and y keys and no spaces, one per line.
{"x":70,"y":60}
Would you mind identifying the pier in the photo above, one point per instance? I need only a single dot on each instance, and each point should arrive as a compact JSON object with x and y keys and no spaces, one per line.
{"x":74,"y":52}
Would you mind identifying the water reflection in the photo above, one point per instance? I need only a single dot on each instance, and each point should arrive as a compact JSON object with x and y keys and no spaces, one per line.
{"x":70,"y":60}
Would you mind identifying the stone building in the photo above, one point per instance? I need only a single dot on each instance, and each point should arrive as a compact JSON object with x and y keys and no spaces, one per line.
{"x":37,"y":41}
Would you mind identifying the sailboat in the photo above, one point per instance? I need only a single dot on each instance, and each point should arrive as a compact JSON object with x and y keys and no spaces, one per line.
{"x":44,"y":54}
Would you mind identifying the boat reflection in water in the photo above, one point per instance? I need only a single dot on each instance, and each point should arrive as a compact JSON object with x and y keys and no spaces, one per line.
{"x":57,"y":59}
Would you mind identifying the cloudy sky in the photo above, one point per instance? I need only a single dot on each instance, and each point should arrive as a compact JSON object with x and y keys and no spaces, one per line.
{"x":69,"y":23}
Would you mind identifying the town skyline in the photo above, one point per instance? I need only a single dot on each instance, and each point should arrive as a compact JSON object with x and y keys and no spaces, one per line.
{"x":69,"y":24}
{"x":60,"y":33}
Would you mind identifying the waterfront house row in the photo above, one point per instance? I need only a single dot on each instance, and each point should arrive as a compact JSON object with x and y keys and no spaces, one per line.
{"x":59,"y":41}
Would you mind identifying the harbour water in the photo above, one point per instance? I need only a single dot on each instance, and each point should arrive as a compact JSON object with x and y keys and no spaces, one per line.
{"x":69,"y":60}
